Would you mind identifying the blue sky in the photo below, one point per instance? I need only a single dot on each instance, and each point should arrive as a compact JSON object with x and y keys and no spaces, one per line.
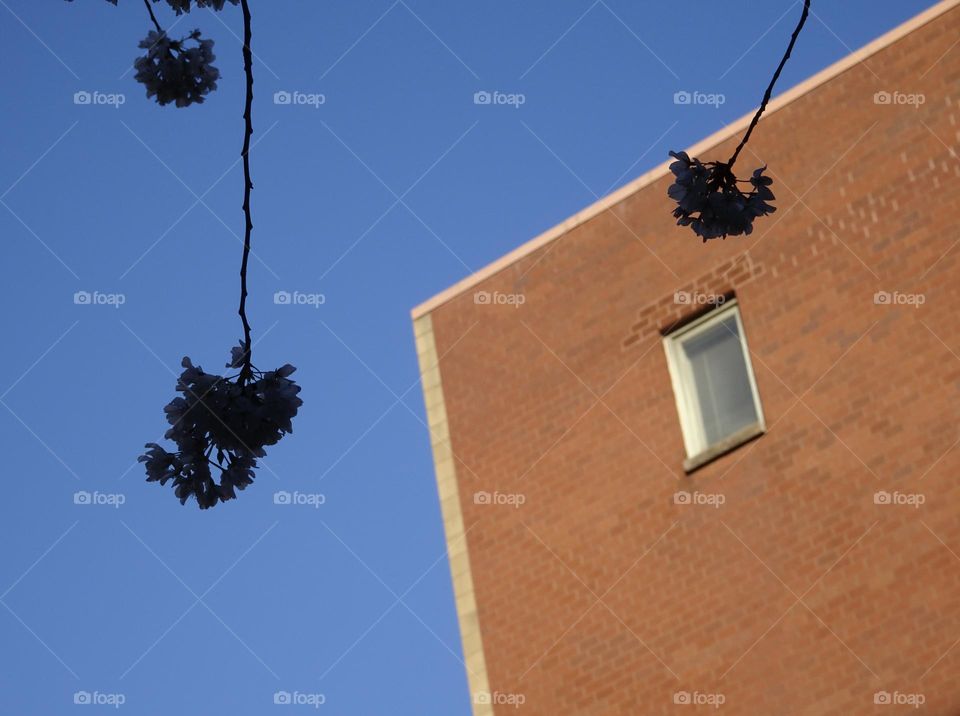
{"x":393,"y":187}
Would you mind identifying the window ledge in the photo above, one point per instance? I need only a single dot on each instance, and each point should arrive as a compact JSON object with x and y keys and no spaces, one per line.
{"x":741,"y":437}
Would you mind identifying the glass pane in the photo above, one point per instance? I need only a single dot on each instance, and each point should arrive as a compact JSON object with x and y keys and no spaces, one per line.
{"x":720,"y":379}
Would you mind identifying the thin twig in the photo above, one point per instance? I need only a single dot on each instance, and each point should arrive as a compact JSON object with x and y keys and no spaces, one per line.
{"x":152,"y":16}
{"x":246,"y":370}
{"x":776,"y":76}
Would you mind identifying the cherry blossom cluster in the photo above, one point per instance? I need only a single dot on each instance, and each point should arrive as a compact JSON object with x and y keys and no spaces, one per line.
{"x":710,"y":201}
{"x":222,"y":423}
{"x":178,"y":71}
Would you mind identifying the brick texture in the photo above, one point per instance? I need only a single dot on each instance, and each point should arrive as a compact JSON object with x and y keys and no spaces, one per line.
{"x":598,"y":595}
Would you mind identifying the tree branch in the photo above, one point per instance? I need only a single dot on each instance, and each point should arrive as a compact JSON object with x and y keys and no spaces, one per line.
{"x":152,"y":16}
{"x":769,"y":92}
{"x":246,"y":371}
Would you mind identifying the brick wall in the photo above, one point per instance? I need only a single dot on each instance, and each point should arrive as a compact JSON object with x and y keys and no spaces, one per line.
{"x":799,"y":594}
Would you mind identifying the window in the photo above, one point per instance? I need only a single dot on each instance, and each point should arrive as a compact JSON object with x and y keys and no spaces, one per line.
{"x":713,"y":383}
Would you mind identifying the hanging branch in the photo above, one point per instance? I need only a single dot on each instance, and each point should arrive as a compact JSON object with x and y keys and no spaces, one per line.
{"x":246,"y":370}
{"x":776,"y":76}
{"x":708,"y":198}
{"x":153,"y":17}
{"x":221,"y":422}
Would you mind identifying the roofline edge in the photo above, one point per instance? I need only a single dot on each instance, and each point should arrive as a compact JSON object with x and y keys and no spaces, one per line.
{"x":649,"y":177}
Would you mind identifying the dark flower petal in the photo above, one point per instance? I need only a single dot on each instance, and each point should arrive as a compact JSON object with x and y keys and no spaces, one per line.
{"x":237,"y":355}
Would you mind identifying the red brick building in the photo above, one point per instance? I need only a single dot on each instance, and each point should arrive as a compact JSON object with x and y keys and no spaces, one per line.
{"x":678,"y":476}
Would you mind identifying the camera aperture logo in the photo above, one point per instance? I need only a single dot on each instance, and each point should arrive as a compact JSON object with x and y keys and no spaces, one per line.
{"x":696,"y":98}
{"x":299,"y":298}
{"x":96,"y":298}
{"x":99,"y":99}
{"x":99,"y":499}
{"x":509,"y":499}
{"x":298,"y":698}
{"x":97,"y":698}
{"x":899,"y":99}
{"x":299,"y":99}
{"x":705,"y":499}
{"x":497,"y":98}
{"x":296,"y":498}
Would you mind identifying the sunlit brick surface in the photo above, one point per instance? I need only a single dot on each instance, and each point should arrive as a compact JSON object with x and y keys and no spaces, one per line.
{"x":804,"y":592}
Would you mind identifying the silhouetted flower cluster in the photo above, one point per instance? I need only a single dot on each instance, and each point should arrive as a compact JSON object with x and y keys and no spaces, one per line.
{"x":222,"y":423}
{"x":172,"y":71}
{"x":710,"y":201}
{"x":181,"y":6}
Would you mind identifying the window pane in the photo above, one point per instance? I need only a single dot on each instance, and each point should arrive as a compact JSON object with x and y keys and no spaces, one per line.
{"x":720,"y":376}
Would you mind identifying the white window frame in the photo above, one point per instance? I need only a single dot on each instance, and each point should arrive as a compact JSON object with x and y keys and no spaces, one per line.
{"x":697,"y":449}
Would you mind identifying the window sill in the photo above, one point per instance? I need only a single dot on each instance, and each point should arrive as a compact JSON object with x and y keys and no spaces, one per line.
{"x":741,"y":437}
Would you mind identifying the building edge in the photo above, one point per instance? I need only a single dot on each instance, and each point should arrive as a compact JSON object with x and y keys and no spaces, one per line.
{"x":453,"y":526}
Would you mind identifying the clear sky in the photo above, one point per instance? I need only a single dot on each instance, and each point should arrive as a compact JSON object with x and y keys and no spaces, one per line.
{"x":393,"y":187}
